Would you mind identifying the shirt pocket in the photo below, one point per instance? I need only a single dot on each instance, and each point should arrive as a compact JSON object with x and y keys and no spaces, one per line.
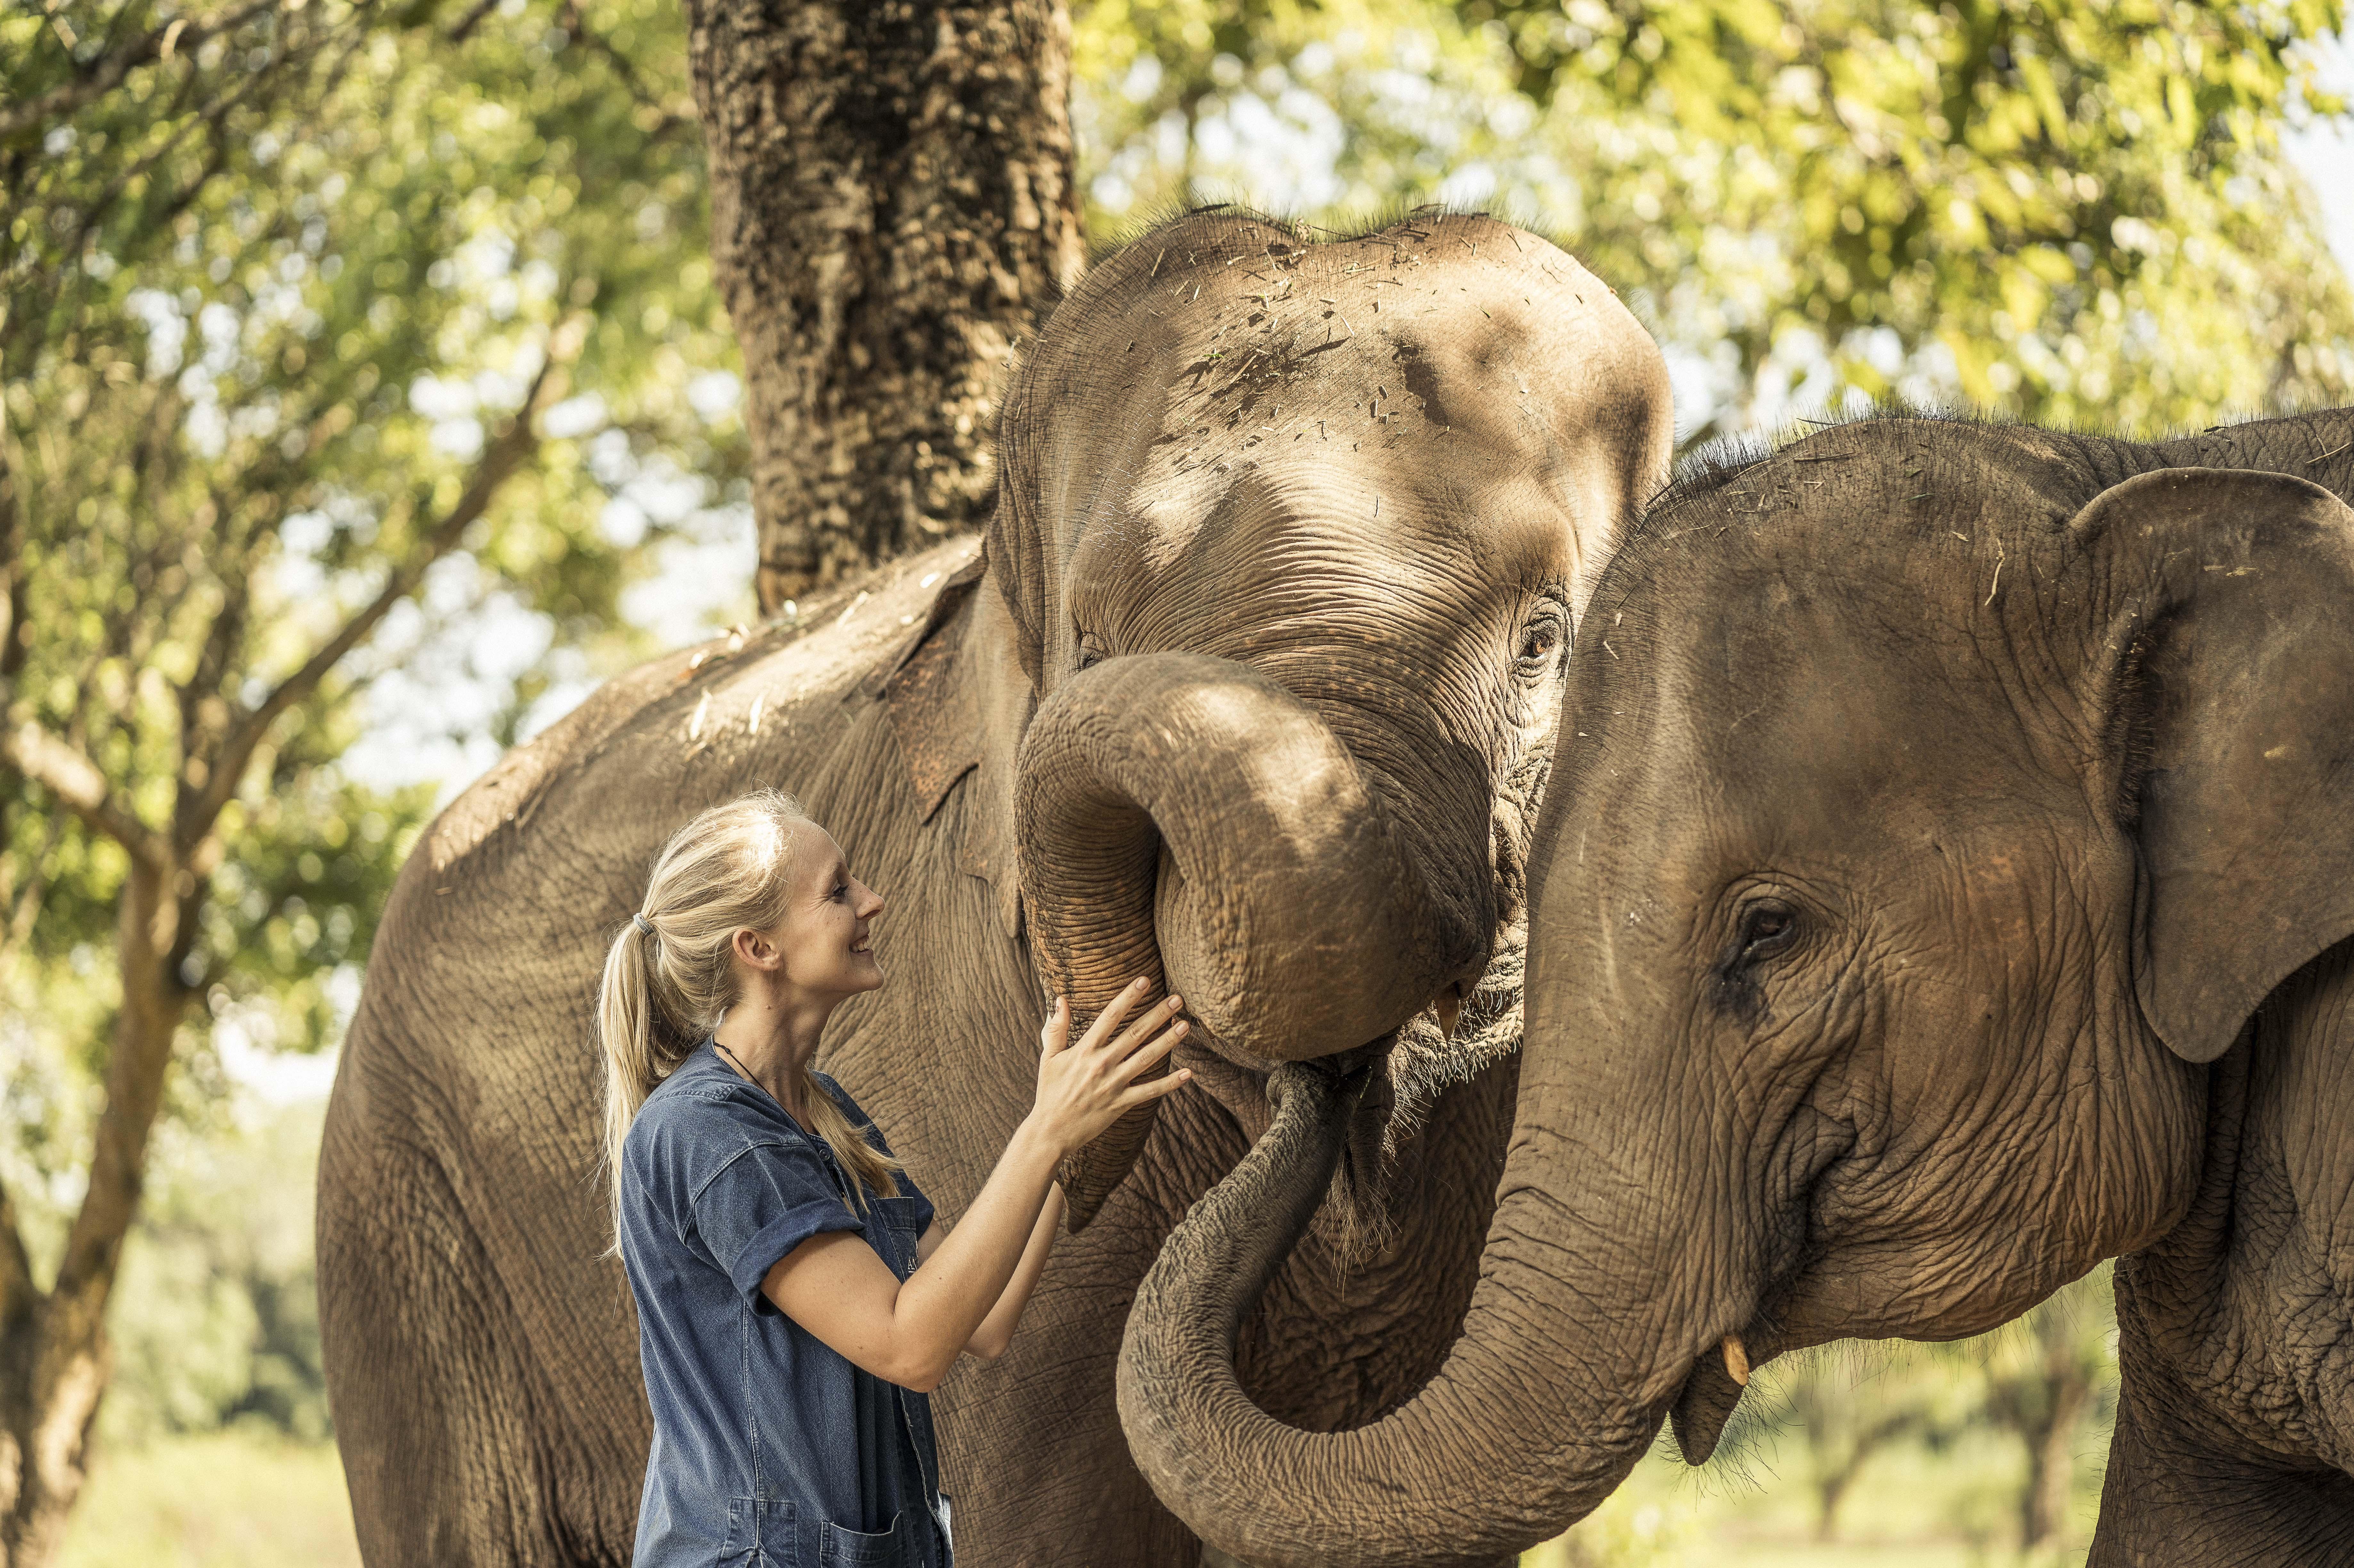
{"x":897,"y":1547}
{"x":760,"y":1534}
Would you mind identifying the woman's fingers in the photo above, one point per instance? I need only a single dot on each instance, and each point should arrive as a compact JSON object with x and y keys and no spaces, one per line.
{"x":1137,"y":1033}
{"x":1137,"y":1095}
{"x":1128,"y":1068}
{"x":1056,"y":1032}
{"x":1108,"y":1019}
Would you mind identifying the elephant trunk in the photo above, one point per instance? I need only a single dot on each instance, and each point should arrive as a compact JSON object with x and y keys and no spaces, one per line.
{"x":1601,"y":1302}
{"x":1186,"y":818}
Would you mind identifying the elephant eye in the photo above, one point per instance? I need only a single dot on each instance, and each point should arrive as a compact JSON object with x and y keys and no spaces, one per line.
{"x":1541,"y":643}
{"x":1091,"y":652}
{"x":1768,"y":926}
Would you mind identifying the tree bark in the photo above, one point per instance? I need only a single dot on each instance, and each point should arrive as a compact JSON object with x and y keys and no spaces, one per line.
{"x":2051,"y":1466}
{"x":891,"y":206}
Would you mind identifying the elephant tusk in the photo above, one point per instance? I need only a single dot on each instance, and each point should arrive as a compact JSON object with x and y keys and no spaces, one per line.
{"x":1736,"y":1359}
{"x":1448,"y":1005}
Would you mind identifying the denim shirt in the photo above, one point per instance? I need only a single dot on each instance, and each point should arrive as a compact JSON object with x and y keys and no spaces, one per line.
{"x":755,"y":1456}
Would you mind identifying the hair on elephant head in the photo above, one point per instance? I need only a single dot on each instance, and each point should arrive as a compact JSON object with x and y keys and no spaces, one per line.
{"x":1933,"y":799}
{"x":1288,"y":539}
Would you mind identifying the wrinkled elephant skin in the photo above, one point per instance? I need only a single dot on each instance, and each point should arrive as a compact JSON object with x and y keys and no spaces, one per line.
{"x":1946,"y":883}
{"x":1252,"y":687}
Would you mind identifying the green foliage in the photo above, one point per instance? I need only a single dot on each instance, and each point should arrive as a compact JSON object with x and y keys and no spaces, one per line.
{"x":1367,"y":102}
{"x":2072,"y":212}
{"x":218,"y":1322}
{"x":328,"y":329}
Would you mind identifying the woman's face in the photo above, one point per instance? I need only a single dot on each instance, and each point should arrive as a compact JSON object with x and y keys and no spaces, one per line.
{"x":826,"y":937}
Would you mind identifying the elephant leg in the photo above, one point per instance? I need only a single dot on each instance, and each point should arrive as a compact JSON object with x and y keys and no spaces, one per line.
{"x":461,"y":1447}
{"x":2173,"y":1498}
{"x":442,"y":1456}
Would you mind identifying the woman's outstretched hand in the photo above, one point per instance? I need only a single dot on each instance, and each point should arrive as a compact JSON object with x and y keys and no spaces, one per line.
{"x":1085,"y":1086}
{"x":970,"y":1291}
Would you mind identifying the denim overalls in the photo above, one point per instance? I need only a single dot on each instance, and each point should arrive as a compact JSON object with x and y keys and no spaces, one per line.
{"x":755,"y":1459}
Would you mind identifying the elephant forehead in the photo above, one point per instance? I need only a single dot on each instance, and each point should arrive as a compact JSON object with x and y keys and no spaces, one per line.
{"x":1409,"y":489}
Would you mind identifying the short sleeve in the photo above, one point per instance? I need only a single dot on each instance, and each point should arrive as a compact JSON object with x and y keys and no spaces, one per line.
{"x":765,"y":1201}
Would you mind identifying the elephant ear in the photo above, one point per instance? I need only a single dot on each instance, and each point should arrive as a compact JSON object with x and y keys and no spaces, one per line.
{"x":2238,"y":707}
{"x":957,"y":703}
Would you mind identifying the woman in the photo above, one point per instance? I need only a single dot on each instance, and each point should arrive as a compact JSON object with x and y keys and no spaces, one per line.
{"x":796,"y":1297}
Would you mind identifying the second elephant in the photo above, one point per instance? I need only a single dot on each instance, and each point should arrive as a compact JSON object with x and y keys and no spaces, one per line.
{"x":1947,"y":884}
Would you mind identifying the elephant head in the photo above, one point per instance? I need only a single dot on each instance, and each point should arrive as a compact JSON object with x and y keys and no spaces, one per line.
{"x":1288,"y":538}
{"x":1932,"y":799}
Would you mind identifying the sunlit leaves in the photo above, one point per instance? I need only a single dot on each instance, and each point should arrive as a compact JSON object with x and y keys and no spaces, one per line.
{"x":2076,"y":212}
{"x":270,"y":300}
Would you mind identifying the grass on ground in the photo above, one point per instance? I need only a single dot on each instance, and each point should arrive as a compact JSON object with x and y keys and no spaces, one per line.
{"x":243,"y":1499}
{"x":223,"y":1499}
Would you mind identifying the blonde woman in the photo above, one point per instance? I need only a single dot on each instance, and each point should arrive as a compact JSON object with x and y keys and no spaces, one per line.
{"x":796,"y":1297}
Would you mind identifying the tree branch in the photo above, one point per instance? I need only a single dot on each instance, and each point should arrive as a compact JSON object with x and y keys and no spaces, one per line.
{"x":20,"y":1297}
{"x":24,"y":902}
{"x":207,"y":119}
{"x":470,"y":21}
{"x":107,"y":72}
{"x":509,"y":450}
{"x":37,"y":756}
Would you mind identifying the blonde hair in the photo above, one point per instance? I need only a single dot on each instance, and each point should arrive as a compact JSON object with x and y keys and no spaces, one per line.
{"x":664,"y":989}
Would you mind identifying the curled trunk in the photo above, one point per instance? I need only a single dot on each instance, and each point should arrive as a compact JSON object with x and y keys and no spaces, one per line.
{"x":1526,"y":1427}
{"x":1186,"y":818}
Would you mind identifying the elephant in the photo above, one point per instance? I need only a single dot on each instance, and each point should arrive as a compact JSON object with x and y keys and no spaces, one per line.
{"x":1945,"y":884}
{"x":1249,"y":687}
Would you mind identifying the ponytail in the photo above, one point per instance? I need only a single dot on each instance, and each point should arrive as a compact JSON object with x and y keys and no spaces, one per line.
{"x":668,"y":976}
{"x":633,"y":1064}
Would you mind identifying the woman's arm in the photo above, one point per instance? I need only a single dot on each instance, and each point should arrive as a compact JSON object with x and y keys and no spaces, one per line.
{"x":996,"y":1331}
{"x":835,"y":1285}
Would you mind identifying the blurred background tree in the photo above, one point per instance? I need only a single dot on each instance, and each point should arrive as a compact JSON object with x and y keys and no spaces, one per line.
{"x":365,"y":398}
{"x":327,"y":325}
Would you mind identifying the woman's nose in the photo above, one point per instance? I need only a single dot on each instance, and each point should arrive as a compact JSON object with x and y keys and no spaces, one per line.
{"x":874,"y":904}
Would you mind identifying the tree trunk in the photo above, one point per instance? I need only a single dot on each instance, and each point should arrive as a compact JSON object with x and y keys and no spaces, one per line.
{"x":2043,"y":1511}
{"x":1828,"y":1492}
{"x":892,"y":206}
{"x":54,"y":1357}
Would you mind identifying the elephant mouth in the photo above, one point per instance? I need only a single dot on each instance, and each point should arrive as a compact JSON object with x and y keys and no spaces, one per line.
{"x":1703,"y":1405}
{"x":1430,"y":1053}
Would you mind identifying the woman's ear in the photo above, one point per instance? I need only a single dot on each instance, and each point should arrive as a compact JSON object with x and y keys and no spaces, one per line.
{"x":754,"y":948}
{"x":2237,"y":591}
